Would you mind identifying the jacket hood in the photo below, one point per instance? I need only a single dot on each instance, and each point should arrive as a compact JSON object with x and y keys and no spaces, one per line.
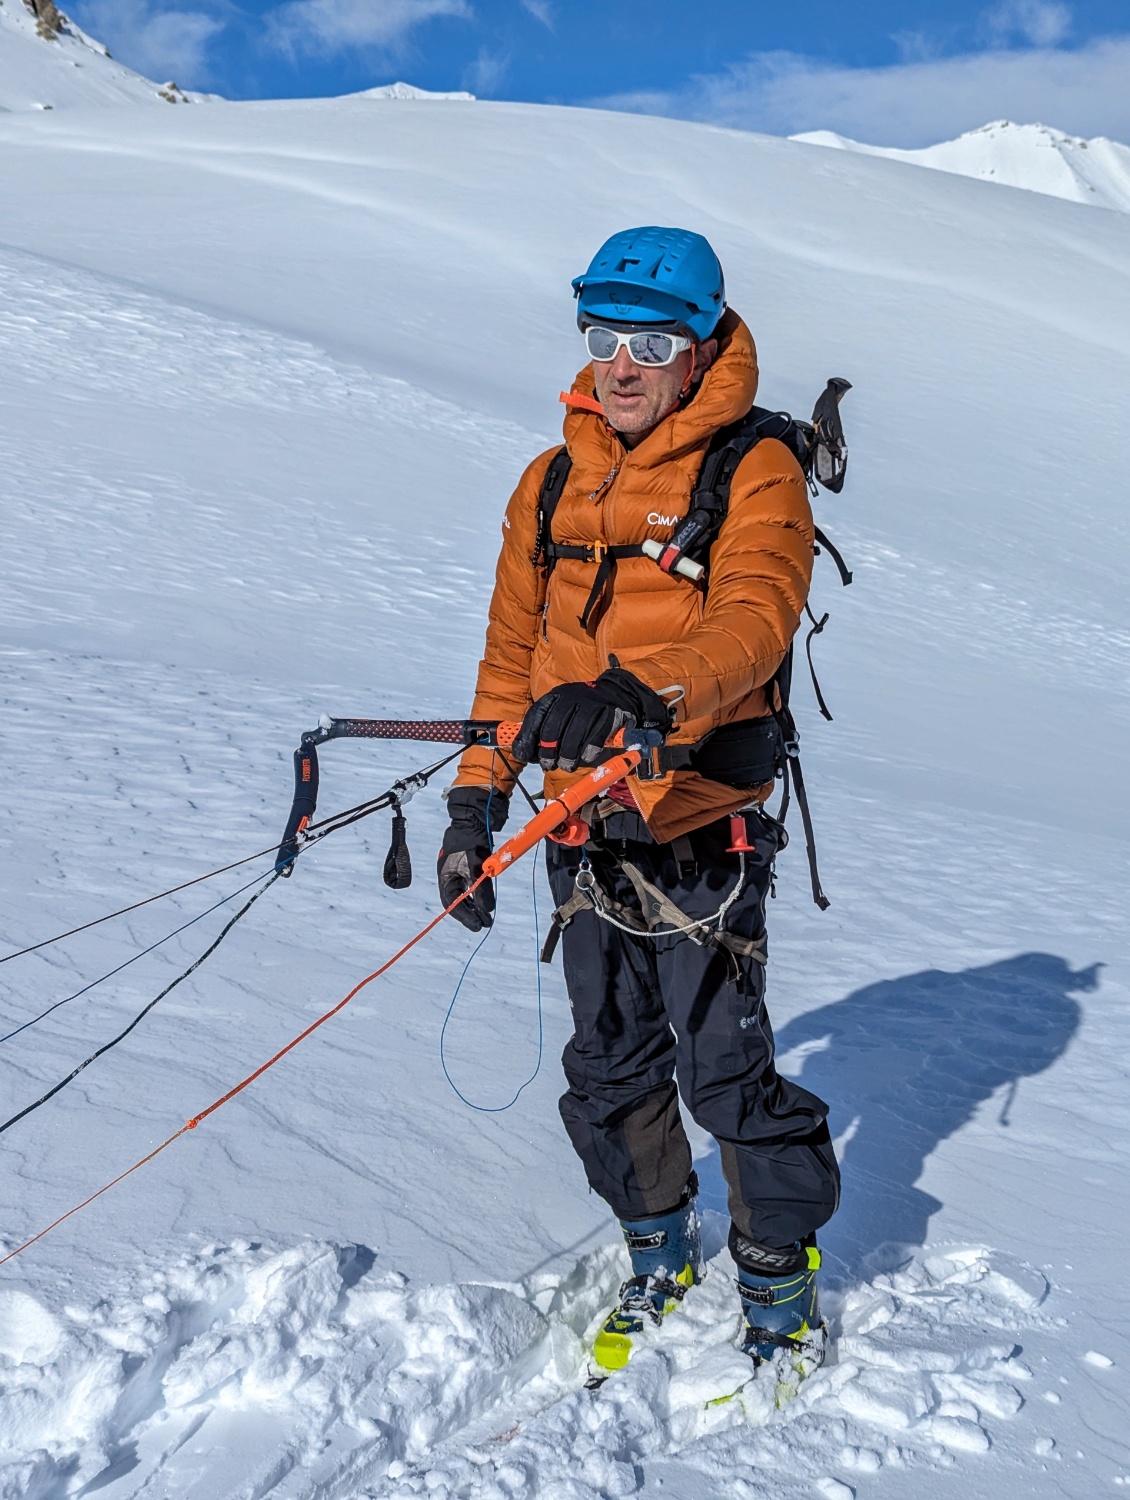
{"x":725,"y":393}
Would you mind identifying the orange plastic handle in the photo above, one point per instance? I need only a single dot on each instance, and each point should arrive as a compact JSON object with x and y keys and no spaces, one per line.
{"x":506,"y":732}
{"x":554,"y":813}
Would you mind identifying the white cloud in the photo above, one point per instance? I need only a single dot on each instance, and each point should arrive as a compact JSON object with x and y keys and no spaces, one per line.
{"x":163,"y":44}
{"x":917,"y":46}
{"x":484,"y":75}
{"x":540,"y":9}
{"x":1037,"y":22}
{"x":1082,"y":91}
{"x":336,"y":25}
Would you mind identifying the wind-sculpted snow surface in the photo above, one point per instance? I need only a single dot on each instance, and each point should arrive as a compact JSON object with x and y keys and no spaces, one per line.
{"x":267,"y":376}
{"x":310,"y":1372}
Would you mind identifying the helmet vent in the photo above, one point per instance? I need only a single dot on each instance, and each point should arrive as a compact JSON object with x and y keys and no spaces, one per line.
{"x":653,"y":275}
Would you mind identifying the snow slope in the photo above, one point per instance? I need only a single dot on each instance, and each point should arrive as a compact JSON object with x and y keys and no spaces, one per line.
{"x":1023,"y":156}
{"x":44,"y":68}
{"x":269,"y":372}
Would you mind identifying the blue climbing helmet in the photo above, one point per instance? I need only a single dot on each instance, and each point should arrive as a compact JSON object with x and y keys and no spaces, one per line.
{"x":668,"y":277}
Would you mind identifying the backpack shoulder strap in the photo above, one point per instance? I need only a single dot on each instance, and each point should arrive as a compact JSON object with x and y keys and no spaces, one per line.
{"x":710,"y":498}
{"x":552,"y":485}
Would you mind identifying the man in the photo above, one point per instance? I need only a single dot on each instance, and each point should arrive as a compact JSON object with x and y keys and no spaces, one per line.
{"x":589,"y":634}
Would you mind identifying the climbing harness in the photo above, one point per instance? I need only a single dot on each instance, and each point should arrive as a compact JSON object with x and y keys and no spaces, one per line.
{"x":655,"y":907}
{"x":656,"y":915}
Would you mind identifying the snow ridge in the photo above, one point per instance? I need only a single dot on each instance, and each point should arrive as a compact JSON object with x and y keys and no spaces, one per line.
{"x":1034,"y":157}
{"x":47,"y":62}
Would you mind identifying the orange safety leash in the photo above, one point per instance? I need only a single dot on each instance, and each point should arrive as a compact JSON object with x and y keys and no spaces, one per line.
{"x":27,"y":1244}
{"x":251,"y":1077}
{"x":544,"y":822}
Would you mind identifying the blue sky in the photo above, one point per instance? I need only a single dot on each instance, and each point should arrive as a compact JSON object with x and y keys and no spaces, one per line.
{"x":882,"y":71}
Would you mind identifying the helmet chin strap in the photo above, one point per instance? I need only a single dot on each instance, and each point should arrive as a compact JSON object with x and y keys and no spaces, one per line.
{"x":689,"y":382}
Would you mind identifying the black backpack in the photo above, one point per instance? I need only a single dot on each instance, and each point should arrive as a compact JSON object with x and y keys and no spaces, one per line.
{"x":756,"y":751}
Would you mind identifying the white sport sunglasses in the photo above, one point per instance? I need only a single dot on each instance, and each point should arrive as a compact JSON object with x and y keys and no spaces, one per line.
{"x":603,"y":345}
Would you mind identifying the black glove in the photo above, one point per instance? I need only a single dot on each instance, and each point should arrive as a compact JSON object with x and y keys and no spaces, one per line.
{"x":465,"y":846}
{"x":569,"y":726}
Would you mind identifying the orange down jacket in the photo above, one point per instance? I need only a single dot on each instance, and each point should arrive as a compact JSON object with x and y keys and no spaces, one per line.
{"x":720,"y":646}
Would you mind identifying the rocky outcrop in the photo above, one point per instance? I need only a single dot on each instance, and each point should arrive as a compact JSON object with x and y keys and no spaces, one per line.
{"x":49,"y":20}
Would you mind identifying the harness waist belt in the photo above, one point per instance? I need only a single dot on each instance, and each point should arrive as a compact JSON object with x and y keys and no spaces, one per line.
{"x":746,"y":754}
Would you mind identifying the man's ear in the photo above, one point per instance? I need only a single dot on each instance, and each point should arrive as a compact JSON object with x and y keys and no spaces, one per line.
{"x":704,"y":356}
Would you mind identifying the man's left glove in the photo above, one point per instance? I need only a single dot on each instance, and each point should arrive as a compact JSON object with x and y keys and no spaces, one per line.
{"x":569,"y":725}
{"x":465,"y":846}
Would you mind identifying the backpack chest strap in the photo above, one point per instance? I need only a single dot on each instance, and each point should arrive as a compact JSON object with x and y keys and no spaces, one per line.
{"x":604,"y":556}
{"x":591,"y":551}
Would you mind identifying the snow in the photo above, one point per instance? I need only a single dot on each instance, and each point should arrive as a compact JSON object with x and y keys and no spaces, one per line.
{"x":1023,"y":156}
{"x":68,"y":70}
{"x":473,"y":1389}
{"x":268,"y":374}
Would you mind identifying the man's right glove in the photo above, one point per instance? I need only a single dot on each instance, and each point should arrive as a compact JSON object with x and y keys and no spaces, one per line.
{"x":570,"y":725}
{"x":465,"y":846}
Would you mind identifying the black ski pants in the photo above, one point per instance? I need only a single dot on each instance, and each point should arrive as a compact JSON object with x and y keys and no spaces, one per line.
{"x":648,"y":1012}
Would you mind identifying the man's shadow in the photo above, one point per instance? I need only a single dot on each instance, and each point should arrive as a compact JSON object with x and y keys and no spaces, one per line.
{"x":907,"y":1062}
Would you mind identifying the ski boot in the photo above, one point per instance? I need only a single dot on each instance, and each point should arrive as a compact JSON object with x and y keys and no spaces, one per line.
{"x":666,"y":1254}
{"x":781,"y":1307}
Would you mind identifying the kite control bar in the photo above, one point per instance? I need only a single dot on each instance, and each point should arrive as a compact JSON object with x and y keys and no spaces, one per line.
{"x":639,"y":744}
{"x":461,"y":732}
